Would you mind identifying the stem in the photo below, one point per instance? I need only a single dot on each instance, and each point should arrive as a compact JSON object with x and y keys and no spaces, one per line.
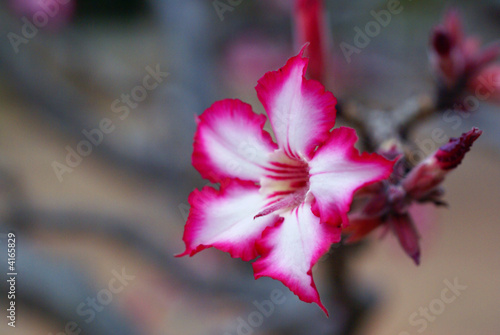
{"x":353,"y":304}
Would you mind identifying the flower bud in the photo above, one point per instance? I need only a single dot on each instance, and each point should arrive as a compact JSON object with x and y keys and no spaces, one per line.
{"x":310,"y":27}
{"x":424,"y":177}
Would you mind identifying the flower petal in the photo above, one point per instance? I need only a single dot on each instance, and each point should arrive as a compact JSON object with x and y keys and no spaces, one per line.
{"x":225,"y":220}
{"x":337,"y":171}
{"x":360,"y":228}
{"x":407,"y":234}
{"x":301,"y":111}
{"x":291,"y":248}
{"x":230,"y":142}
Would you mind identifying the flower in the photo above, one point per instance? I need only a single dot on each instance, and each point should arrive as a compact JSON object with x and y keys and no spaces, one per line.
{"x":459,"y":60}
{"x":283,"y":201}
{"x":389,"y":200}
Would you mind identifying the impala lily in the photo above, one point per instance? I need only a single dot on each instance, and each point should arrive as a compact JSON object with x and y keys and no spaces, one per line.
{"x":283,"y":201}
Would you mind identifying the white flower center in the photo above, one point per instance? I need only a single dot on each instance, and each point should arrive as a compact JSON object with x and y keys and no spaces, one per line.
{"x":286,"y":184}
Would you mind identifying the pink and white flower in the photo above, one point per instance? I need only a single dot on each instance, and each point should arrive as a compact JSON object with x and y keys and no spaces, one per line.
{"x":284,"y":201}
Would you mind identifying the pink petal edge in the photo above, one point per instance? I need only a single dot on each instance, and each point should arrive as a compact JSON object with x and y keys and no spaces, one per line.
{"x":290,"y":249}
{"x":224,"y":220}
{"x":230,"y":142}
{"x":338,"y":171}
{"x":301,"y":112}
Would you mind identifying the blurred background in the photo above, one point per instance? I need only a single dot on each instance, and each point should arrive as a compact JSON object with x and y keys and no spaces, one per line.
{"x":97,"y":105}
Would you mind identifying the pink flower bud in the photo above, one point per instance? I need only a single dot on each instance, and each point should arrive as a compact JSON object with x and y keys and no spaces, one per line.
{"x":426,"y":176}
{"x":310,"y":28}
{"x":450,"y":155}
{"x":457,"y":59}
{"x":447,"y":55}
